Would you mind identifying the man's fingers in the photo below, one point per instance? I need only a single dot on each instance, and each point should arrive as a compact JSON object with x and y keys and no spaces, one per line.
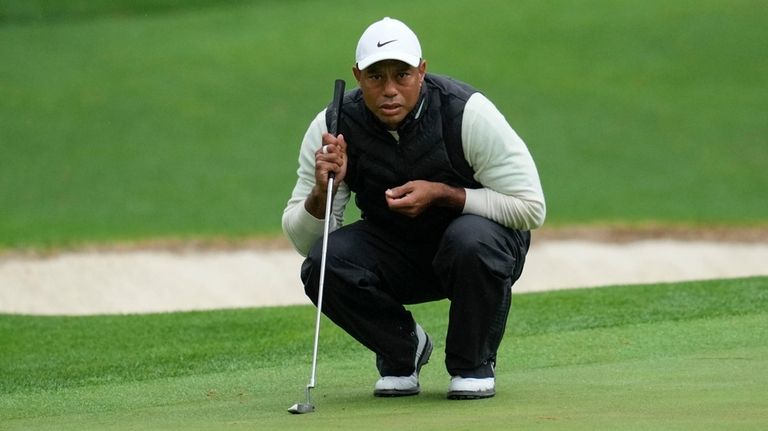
{"x":400,"y":191}
{"x":333,"y":144}
{"x":334,"y":140}
{"x":330,"y":157}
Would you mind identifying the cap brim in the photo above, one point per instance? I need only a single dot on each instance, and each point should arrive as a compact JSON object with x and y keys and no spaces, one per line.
{"x":412,"y":60}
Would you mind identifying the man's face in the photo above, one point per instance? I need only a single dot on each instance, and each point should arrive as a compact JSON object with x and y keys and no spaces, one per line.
{"x":391,"y":89}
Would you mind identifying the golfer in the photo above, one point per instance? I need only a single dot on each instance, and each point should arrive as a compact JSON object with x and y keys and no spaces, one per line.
{"x":448,"y":193}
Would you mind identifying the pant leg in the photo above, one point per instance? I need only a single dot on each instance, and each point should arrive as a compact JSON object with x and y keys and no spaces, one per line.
{"x":477,"y":262}
{"x":369,"y":275}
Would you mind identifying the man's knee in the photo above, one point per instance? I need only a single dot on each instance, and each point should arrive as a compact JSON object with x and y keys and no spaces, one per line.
{"x":469,"y":236}
{"x":310,"y":269}
{"x":471,"y":240}
{"x":466,"y":234}
{"x":344,"y":266}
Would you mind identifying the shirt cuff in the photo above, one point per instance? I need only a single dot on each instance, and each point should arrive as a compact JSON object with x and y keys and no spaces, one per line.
{"x":475,"y":202}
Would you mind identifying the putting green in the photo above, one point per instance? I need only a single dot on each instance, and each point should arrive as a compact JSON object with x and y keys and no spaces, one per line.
{"x":709,"y":373}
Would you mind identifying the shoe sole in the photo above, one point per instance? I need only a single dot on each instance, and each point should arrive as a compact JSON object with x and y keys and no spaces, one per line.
{"x":390,"y":393}
{"x":423,"y":360}
{"x":470,"y":395}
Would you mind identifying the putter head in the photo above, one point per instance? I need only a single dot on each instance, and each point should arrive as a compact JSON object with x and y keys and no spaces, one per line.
{"x":301,"y":408}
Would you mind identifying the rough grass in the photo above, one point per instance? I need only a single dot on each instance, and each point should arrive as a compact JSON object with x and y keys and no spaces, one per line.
{"x":151,"y":119}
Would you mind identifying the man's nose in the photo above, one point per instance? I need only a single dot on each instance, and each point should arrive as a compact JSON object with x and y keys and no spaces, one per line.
{"x":390,"y":88}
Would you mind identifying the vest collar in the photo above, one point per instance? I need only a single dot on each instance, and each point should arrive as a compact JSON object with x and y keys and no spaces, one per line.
{"x":417,"y":113}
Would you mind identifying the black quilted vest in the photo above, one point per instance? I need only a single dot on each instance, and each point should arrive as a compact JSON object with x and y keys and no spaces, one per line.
{"x":430,"y":148}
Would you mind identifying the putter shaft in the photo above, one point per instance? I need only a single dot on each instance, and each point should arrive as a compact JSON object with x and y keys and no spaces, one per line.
{"x":338,"y":95}
{"x":326,"y":228}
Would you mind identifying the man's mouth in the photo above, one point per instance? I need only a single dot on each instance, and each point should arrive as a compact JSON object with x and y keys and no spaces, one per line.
{"x":389,"y":108}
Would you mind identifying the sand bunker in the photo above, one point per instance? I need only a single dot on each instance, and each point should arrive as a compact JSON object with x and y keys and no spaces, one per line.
{"x":141,"y":281}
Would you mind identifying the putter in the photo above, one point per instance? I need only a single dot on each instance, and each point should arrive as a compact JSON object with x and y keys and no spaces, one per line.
{"x":308,"y":407}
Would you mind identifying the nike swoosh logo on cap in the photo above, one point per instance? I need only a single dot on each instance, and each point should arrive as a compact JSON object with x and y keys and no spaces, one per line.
{"x":380,"y":44}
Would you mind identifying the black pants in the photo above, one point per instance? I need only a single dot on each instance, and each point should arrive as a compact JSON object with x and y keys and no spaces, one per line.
{"x":372,"y":272}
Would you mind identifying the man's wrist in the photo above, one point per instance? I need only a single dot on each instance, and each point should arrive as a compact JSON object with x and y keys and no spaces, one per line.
{"x":452,"y":197}
{"x":315,"y":203}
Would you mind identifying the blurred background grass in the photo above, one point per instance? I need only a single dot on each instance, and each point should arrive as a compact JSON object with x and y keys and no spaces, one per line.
{"x":141,"y":119}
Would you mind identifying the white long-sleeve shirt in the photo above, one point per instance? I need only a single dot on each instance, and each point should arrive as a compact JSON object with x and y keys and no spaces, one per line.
{"x":511,"y":195}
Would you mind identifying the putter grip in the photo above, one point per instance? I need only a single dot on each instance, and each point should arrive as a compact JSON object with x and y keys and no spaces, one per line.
{"x":338,"y":96}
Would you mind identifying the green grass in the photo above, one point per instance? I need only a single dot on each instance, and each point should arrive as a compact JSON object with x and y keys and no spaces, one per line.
{"x":23,"y":11}
{"x":142,"y":119}
{"x":688,"y":356}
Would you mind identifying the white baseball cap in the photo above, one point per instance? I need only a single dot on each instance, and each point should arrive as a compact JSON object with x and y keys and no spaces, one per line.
{"x":388,"y":39}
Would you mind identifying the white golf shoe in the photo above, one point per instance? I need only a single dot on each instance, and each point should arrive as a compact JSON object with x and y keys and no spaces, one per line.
{"x":467,"y":388}
{"x":398,"y":386}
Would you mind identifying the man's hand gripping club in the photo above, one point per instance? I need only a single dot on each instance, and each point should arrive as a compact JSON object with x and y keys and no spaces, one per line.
{"x":330,"y":157}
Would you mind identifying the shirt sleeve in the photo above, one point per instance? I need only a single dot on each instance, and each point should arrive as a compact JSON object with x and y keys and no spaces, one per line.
{"x":511,"y":194}
{"x":302,"y":228}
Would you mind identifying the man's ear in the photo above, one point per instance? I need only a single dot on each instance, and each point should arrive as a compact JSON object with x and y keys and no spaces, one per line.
{"x":422,"y":69}
{"x":357,"y":72}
